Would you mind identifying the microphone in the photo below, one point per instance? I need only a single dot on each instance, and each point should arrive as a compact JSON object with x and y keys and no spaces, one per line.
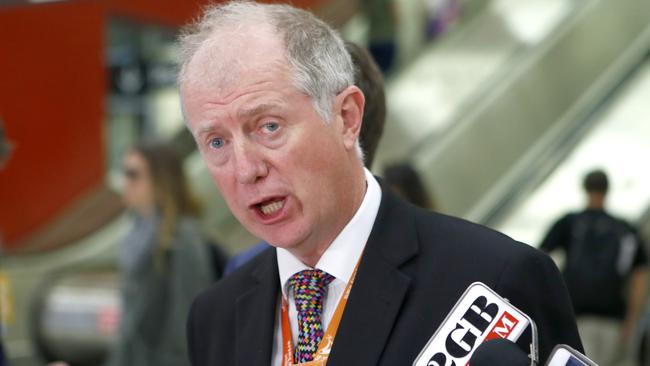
{"x":479,"y":315}
{"x":563,"y":355}
{"x":499,"y":352}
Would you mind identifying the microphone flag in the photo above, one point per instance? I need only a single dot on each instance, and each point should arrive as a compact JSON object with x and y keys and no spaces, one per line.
{"x":479,"y":315}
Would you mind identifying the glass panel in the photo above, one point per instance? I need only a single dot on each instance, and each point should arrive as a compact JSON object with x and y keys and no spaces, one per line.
{"x":469,"y":65}
{"x":143,"y":99}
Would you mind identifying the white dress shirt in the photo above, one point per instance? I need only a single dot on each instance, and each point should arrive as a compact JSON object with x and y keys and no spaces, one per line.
{"x":339,"y":260}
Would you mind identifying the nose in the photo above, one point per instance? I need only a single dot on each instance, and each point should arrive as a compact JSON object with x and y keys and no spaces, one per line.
{"x":250,"y":165}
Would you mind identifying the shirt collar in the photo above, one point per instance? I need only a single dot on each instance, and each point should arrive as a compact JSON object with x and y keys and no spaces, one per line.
{"x":342,"y":256}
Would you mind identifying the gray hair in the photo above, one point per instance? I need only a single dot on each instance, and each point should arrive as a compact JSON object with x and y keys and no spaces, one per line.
{"x":319,"y":62}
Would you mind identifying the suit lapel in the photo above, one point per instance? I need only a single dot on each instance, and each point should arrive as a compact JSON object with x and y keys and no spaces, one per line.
{"x":379,"y":289}
{"x":255,"y":315}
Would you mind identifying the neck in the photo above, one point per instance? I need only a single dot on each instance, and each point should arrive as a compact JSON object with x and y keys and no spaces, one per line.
{"x":145,"y":211}
{"x":595,"y":201}
{"x":310,"y":259}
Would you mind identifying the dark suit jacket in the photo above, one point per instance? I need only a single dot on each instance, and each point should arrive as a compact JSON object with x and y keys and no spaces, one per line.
{"x":415,"y":267}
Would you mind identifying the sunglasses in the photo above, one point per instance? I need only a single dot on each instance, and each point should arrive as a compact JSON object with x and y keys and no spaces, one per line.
{"x":131,"y":173}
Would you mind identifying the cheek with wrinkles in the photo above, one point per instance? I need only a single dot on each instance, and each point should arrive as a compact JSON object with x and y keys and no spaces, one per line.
{"x":218,"y":179}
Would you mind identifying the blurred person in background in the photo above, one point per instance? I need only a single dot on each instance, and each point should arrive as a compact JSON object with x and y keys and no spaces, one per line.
{"x":605,"y":271}
{"x":441,"y":15}
{"x":368,"y":77}
{"x":164,"y":259}
{"x":382,"y":19}
{"x":405,"y":181}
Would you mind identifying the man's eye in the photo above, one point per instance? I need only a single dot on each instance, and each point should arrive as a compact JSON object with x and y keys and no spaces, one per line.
{"x":216,"y":143}
{"x":271,"y":126}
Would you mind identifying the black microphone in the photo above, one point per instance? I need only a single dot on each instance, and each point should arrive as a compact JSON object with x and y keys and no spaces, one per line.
{"x":499,"y":352}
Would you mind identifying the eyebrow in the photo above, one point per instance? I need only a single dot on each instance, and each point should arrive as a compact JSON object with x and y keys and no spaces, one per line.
{"x":205,"y":129}
{"x":244,"y":113}
{"x":257,"y":110}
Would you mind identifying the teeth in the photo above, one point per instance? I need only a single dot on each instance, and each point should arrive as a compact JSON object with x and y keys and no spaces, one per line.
{"x":272,"y":207}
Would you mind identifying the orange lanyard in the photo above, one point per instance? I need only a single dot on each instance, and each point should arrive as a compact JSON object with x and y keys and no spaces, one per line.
{"x":325,"y":346}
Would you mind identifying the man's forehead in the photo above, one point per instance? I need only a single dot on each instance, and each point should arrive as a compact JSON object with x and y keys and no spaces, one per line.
{"x":222,"y":60}
{"x":254,"y":93}
{"x":271,"y":79}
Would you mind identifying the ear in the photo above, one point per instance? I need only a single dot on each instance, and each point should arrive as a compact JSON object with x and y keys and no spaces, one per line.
{"x":350,"y":104}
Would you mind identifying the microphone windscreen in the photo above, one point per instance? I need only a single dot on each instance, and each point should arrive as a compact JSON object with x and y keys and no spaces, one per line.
{"x":499,"y":352}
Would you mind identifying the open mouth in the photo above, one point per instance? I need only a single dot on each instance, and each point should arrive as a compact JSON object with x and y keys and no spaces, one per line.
{"x":270,"y":207}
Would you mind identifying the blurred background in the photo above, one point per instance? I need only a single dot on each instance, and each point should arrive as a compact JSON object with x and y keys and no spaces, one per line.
{"x":500,"y":105}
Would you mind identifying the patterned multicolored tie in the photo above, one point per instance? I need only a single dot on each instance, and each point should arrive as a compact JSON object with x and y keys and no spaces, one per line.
{"x":309,"y":288}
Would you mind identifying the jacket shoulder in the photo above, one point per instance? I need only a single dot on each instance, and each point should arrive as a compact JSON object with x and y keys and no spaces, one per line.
{"x":466,"y":238}
{"x":211,"y":324}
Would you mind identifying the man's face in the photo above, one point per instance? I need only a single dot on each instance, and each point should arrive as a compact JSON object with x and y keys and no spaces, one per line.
{"x":284,"y":172}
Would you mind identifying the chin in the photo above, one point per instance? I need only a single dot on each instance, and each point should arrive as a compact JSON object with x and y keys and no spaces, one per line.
{"x":286,"y":235}
{"x":279,"y":240}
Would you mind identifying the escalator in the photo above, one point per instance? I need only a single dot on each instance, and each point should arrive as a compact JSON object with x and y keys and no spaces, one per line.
{"x":614,"y":137}
{"x":492,"y":108}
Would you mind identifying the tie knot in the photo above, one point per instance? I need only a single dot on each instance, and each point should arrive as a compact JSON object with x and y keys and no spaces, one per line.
{"x":309,"y":287}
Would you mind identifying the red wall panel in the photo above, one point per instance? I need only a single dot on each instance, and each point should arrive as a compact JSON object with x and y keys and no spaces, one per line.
{"x":52,"y":100}
{"x":52,"y":85}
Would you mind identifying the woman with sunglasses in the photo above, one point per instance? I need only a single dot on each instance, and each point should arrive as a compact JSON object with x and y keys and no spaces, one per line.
{"x":164,"y":259}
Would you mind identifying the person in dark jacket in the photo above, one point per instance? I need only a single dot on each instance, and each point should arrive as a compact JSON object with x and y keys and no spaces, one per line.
{"x":404,"y":180}
{"x":605,"y":271}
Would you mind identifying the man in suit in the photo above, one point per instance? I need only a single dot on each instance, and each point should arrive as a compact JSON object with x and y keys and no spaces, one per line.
{"x":268,"y":94}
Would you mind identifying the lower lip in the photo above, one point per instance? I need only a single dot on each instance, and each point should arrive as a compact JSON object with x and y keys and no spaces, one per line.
{"x":273,"y":217}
